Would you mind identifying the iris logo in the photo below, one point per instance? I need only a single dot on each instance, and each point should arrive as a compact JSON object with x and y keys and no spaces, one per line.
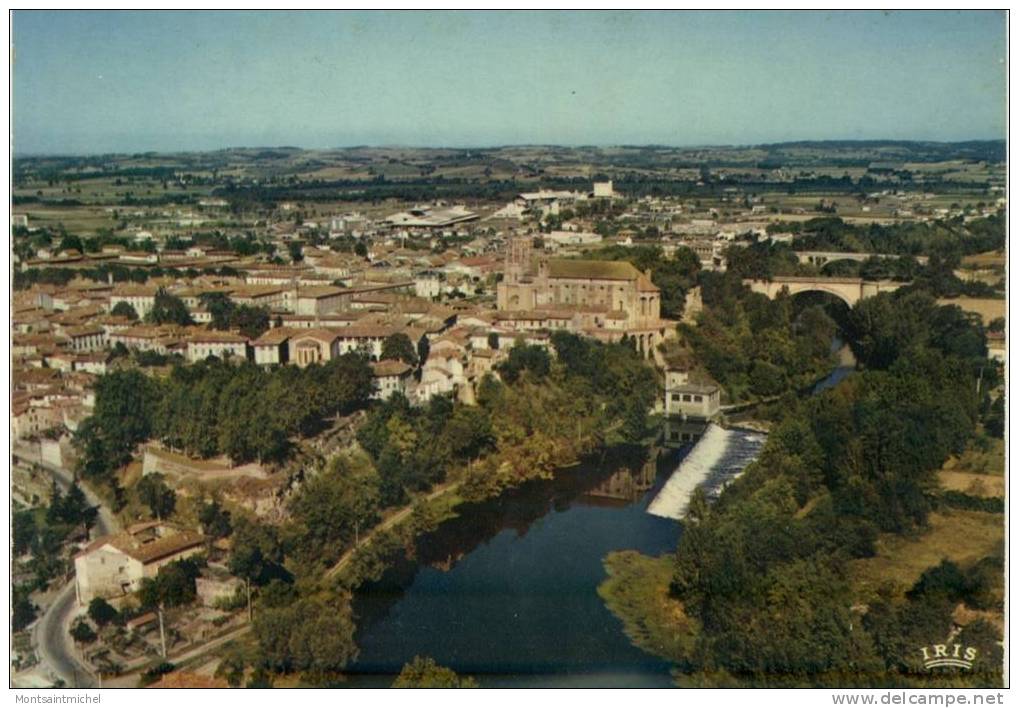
{"x":954,"y":655}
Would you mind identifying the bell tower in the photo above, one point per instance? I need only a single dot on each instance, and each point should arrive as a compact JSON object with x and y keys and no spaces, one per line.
{"x":518,"y":258}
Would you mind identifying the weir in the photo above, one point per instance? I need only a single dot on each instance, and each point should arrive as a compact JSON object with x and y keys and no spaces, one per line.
{"x":719,"y":456}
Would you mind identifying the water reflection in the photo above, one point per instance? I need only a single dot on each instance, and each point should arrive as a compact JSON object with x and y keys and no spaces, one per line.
{"x":508,"y":590}
{"x":624,"y":486}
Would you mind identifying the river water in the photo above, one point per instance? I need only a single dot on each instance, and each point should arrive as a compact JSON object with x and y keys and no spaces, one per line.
{"x":507,"y":591}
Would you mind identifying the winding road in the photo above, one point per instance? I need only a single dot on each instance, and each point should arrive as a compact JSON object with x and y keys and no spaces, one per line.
{"x":51,"y":632}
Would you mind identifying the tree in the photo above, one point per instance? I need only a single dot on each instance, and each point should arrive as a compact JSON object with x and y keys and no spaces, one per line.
{"x":220,"y":308}
{"x":360,"y":249}
{"x":766,"y":379}
{"x":82,"y":632}
{"x":312,"y":635}
{"x":531,"y":358}
{"x":102,"y":613}
{"x":125,"y":309}
{"x":335,"y":504}
{"x":153,"y":493}
{"x":252,"y":322}
{"x":23,"y":612}
{"x":398,"y":346}
{"x":215,"y":520}
{"x":76,"y":510}
{"x":23,"y":531}
{"x":173,"y":586}
{"x":493,"y":340}
{"x":71,"y":242}
{"x":468,"y":433}
{"x":295,"y":251}
{"x":256,"y":552}
{"x":423,"y":672}
{"x":423,"y":348}
{"x":169,"y":309}
{"x":260,"y":678}
{"x":994,"y":422}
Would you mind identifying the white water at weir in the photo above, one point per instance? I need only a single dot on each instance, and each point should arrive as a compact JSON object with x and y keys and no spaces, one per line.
{"x":716,"y":459}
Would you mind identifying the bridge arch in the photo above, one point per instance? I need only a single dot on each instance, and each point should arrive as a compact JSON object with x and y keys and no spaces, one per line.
{"x":817,"y":288}
{"x":849,"y":290}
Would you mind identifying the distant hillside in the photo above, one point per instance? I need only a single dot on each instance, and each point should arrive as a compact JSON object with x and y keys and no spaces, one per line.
{"x":905,"y":150}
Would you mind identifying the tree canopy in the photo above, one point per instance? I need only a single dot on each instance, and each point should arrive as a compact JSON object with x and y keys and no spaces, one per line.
{"x":423,"y":672}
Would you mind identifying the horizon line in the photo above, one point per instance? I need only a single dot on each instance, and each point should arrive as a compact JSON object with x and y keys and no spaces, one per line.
{"x":398,"y":146}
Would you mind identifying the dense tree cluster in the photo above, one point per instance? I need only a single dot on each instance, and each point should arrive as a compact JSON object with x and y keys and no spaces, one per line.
{"x":423,"y":672}
{"x":213,"y":407}
{"x":173,"y":585}
{"x":764,"y":571}
{"x":250,"y":321}
{"x":125,"y":309}
{"x":412,"y":447}
{"x":905,"y":238}
{"x":120,"y":420}
{"x":168,"y":309}
{"x":43,"y":533}
{"x":882,"y":329}
{"x":398,"y":346}
{"x":334,"y":506}
{"x":756,"y":346}
{"x":314,"y":635}
{"x":943,"y":242}
{"x":50,"y":275}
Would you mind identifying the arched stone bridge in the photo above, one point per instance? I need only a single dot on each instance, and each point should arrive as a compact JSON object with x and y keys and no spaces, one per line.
{"x":849,"y":290}
{"x":822,"y":258}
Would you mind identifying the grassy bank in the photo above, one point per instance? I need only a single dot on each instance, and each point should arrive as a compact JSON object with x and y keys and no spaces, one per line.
{"x":637,"y":592}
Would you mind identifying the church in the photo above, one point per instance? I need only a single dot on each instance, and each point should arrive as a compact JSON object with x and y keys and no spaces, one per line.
{"x":604,"y":299}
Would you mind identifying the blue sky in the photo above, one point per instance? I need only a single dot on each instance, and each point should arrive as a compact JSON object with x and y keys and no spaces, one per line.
{"x":87,"y":82}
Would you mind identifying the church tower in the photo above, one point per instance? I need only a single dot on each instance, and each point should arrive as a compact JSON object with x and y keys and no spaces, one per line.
{"x":516,"y":290}
{"x":518,"y":258}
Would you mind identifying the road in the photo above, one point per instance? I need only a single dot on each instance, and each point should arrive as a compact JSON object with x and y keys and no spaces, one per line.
{"x":54,"y":644}
{"x":50,"y":634}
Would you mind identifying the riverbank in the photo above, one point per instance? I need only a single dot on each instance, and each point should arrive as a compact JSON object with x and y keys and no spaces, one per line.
{"x":637,"y":592}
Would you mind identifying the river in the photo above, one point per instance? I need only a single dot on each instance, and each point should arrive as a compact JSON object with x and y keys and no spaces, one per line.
{"x":846,"y":365}
{"x":507,"y":591}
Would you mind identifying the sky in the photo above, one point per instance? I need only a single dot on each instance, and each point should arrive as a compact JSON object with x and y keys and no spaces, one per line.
{"x":98,"y":82}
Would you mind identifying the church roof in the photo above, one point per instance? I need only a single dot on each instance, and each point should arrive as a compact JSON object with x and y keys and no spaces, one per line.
{"x":599,"y":270}
{"x":645,"y":285}
{"x":604,"y":270}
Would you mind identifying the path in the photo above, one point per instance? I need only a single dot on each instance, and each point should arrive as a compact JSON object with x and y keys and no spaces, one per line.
{"x":388,"y":523}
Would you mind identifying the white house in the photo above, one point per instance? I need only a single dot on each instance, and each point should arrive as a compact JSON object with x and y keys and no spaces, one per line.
{"x":391,"y":376}
{"x":86,"y":339}
{"x":686,"y":399}
{"x":115,"y":565}
{"x":218,"y":344}
{"x":141,"y":297}
{"x":272,"y":347}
